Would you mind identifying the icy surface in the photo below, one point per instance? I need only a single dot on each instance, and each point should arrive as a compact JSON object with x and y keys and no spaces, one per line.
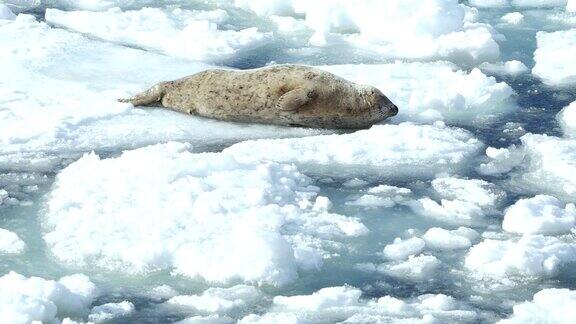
{"x":547,"y":306}
{"x":222,"y":219}
{"x":27,"y":299}
{"x":10,"y":242}
{"x":552,"y":57}
{"x":539,"y":215}
{"x":567,"y":119}
{"x":110,"y":311}
{"x":512,"y":68}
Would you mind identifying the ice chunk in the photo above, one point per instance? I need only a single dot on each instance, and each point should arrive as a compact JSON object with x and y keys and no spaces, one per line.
{"x":382,"y":196}
{"x":512,"y":68}
{"x":218,"y":300}
{"x":178,"y":32}
{"x":391,"y":150}
{"x":513,"y":18}
{"x":111,"y":311}
{"x":554,"y":57}
{"x":532,"y":255}
{"x":552,"y":165}
{"x":502,"y":160}
{"x":10,"y":242}
{"x":221,"y":219}
{"x":6,"y":13}
{"x":24,"y":300}
{"x":548,"y":306}
{"x":426,"y":92}
{"x":442,"y":239}
{"x":441,"y":29}
{"x":402,"y":249}
{"x":567,"y":120}
{"x":324,"y":298}
{"x":539,"y":215}
{"x":416,"y":268}
{"x":463,"y":201}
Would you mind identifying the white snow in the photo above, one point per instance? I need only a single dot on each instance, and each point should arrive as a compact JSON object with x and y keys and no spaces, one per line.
{"x":402,"y":249}
{"x":501,"y":160}
{"x":222,"y":219}
{"x":430,"y":30}
{"x":512,"y":68}
{"x":218,"y":300}
{"x":416,"y":268}
{"x":541,"y":214}
{"x":549,"y":306}
{"x":442,"y":239}
{"x":554,"y":57}
{"x":426,"y":92}
{"x":571,"y":6}
{"x":344,"y":304}
{"x":382,"y":196}
{"x":534,"y":256}
{"x":177,"y":32}
{"x":10,"y":242}
{"x":390,"y":150}
{"x":513,"y":18}
{"x":27,"y":299}
{"x":567,"y":120}
{"x":518,"y":3}
{"x":110,"y":311}
{"x":462,"y":201}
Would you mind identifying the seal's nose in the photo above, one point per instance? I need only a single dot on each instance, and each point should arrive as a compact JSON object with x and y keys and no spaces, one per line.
{"x":394,"y":110}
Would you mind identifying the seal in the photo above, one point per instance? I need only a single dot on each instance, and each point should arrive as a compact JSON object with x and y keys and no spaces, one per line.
{"x":290,"y":95}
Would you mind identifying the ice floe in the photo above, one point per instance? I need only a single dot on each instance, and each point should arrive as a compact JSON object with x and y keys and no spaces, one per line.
{"x":513,"y":18}
{"x":431,"y":30}
{"x":512,"y":68}
{"x":462,"y":201}
{"x":109,"y":311}
{"x":549,"y":306}
{"x":567,"y":120}
{"x":10,"y":243}
{"x":518,"y":3}
{"x":344,"y":304}
{"x":402,"y":249}
{"x":218,"y":300}
{"x":28,"y":299}
{"x":222,"y":219}
{"x":177,"y":32}
{"x":391,"y":150}
{"x":533,"y":256}
{"x":539,"y":215}
{"x":554,"y":57}
{"x":438,"y":238}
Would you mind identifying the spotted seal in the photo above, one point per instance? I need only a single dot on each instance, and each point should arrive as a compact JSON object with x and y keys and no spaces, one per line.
{"x":291,"y":95}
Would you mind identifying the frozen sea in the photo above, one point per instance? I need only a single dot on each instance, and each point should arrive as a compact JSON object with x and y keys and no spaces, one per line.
{"x":460,"y":209}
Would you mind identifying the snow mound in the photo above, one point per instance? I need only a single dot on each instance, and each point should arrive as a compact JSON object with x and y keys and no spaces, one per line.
{"x":344,"y":304}
{"x":462,"y":201}
{"x":209,"y":216}
{"x":554,"y":57}
{"x":426,"y":92}
{"x":435,"y":29}
{"x":533,"y":256}
{"x":567,"y":119}
{"x":512,"y":68}
{"x":178,"y":32}
{"x":24,"y":300}
{"x":109,"y":311}
{"x":442,"y":239}
{"x":402,"y":249}
{"x":513,"y":18}
{"x":539,"y":215}
{"x":390,"y":150}
{"x":218,"y":300}
{"x":549,"y":306}
{"x":10,"y":243}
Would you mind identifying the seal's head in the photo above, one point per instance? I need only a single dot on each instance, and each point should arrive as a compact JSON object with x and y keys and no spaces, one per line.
{"x":378,"y":103}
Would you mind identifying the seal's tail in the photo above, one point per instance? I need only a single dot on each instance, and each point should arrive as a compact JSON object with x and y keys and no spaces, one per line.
{"x":148,"y":97}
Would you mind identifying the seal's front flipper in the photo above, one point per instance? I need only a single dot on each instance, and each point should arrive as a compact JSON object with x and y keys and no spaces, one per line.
{"x":294,"y":99}
{"x":148,"y":97}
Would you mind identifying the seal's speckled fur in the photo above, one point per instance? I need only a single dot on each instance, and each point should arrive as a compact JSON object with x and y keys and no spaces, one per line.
{"x":282,"y":95}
